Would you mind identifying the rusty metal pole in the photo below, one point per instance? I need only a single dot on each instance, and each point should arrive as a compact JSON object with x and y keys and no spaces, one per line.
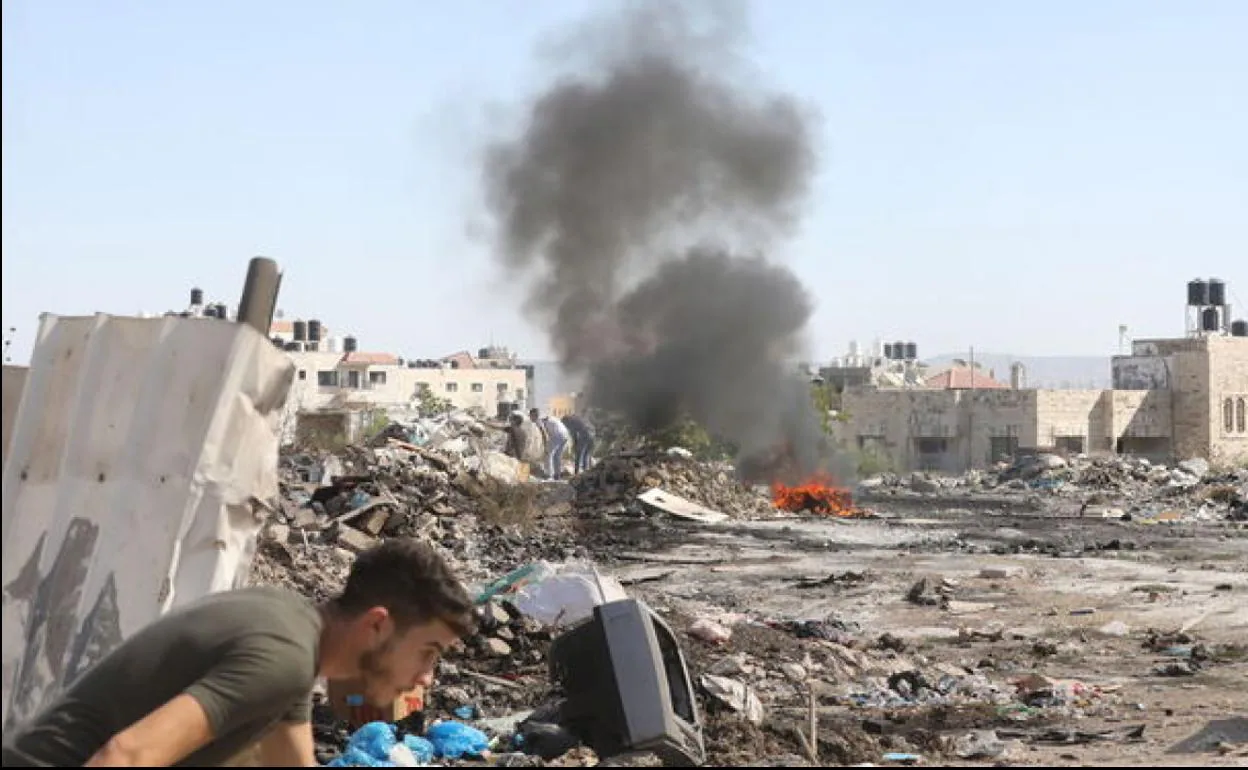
{"x":259,"y":300}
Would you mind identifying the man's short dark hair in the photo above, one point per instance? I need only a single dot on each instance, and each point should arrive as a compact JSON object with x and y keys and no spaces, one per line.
{"x":411,"y":580}
{"x":534,"y":413}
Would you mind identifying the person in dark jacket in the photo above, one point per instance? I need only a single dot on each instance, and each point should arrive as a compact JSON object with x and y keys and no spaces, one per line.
{"x":582,"y":441}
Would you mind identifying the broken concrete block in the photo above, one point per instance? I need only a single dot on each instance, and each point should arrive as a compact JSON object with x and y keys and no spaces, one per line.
{"x":736,"y":695}
{"x":923,"y":485}
{"x":1197,"y":466}
{"x":354,"y":540}
{"x":495,"y":614}
{"x":794,"y":671}
{"x":374,"y":521}
{"x":498,"y":647}
{"x":279,"y":532}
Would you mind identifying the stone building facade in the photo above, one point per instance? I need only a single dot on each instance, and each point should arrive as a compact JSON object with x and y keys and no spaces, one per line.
{"x":1173,"y":399}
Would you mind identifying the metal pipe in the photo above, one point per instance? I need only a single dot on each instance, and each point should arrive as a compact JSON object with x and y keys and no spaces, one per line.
{"x":260,"y":290}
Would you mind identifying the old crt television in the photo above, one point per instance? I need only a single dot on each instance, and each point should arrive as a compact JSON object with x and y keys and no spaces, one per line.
{"x":626,"y":685}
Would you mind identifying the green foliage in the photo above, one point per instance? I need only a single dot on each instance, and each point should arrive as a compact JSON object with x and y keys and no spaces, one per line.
{"x":825,"y":399}
{"x":614,"y":434}
{"x":429,"y":404}
{"x":374,"y":422}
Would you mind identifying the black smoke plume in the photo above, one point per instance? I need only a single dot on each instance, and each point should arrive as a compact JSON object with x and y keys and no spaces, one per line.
{"x":639,"y":197}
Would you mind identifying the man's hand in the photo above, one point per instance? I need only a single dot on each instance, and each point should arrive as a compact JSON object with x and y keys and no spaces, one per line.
{"x":164,"y":737}
{"x":289,"y":744}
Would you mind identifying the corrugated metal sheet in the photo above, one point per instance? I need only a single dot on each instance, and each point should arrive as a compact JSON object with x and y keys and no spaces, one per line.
{"x":141,"y":456}
{"x":14,"y":384}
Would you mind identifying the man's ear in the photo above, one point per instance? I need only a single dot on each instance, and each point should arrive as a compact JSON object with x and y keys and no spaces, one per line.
{"x":376,"y":619}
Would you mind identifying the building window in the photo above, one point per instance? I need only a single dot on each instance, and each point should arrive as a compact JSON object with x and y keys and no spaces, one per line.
{"x":519,"y":394}
{"x":376,"y":378}
{"x":303,"y":374}
{"x":932,"y":446}
{"x":1002,"y":448}
{"x":327,"y":379}
{"x":477,"y":387}
{"x":502,"y":388}
{"x":452,"y":387}
{"x":1240,"y":417}
{"x":1070,"y":444}
{"x":1228,"y":415}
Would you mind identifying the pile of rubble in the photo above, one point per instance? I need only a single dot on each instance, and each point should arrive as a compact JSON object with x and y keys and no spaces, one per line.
{"x":1113,"y":487}
{"x":611,"y":487}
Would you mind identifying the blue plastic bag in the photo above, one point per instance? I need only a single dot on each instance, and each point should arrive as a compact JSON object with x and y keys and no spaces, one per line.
{"x":374,"y":739}
{"x":453,"y":740}
{"x":420,"y":748}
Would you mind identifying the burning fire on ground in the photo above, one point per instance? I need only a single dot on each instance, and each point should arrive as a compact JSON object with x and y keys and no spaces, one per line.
{"x":818,"y":494}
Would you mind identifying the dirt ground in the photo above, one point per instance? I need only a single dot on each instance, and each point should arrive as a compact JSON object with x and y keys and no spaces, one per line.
{"x":1024,"y":594}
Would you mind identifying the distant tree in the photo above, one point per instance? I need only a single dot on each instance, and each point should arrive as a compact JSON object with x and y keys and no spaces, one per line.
{"x":429,"y":404}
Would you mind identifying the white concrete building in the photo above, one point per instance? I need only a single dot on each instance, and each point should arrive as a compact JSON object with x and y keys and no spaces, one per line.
{"x":325,"y":380}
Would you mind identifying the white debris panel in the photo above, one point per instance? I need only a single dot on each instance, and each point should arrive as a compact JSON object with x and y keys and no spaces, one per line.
{"x":143,"y":458}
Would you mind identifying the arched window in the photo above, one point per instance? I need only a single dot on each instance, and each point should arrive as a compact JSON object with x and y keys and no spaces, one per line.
{"x":1240,"y":417}
{"x":1228,"y":415}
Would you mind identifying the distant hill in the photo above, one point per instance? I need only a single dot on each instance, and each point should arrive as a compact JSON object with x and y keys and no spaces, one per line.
{"x":1091,"y":372}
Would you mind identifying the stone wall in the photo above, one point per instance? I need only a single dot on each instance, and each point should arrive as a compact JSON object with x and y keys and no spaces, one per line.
{"x":974,"y":428}
{"x":1228,"y":375}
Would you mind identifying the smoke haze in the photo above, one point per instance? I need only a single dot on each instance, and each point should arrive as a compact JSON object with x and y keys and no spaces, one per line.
{"x":639,"y":198}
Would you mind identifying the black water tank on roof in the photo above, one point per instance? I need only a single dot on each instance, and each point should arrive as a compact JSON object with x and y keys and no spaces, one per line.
{"x":1209,"y":319}
{"x":483,"y":353}
{"x":899,"y":350}
{"x":197,"y":297}
{"x":349,"y":344}
{"x":314,"y":331}
{"x":912,"y":351}
{"x":1197,"y":293}
{"x":888,"y":350}
{"x":210,"y":311}
{"x":222,"y":311}
{"x":1217,"y":292}
{"x":1239,"y":329}
{"x":300,"y":331}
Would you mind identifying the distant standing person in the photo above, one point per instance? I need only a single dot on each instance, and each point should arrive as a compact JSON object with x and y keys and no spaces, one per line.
{"x":582,"y":441}
{"x":557,"y":437}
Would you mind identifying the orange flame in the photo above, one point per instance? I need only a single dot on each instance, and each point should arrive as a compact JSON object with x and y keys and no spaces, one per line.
{"x":818,"y":494}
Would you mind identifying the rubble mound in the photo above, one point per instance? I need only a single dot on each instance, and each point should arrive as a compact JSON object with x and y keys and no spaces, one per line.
{"x":611,"y":486}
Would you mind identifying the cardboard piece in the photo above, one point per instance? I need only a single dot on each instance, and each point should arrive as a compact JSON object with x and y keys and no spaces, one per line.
{"x":348,"y":705}
{"x":675,"y":505}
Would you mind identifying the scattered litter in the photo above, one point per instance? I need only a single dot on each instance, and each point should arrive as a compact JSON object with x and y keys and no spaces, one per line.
{"x":709,"y":631}
{"x":736,"y":695}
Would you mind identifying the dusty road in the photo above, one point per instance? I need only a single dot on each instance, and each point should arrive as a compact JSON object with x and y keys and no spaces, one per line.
{"x":1009,"y":597}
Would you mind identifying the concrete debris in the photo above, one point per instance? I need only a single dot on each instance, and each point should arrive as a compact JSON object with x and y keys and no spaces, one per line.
{"x":736,"y":695}
{"x":612,"y":486}
{"x":1119,"y":487}
{"x":953,"y":680}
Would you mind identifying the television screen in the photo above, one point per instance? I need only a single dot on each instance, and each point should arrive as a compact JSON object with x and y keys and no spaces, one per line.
{"x":626,"y":685}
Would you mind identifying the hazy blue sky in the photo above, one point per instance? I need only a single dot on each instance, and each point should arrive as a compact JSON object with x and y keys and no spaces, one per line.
{"x":1020,"y":176}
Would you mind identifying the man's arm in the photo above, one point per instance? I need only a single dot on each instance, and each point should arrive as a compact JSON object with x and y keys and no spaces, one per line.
{"x":170,"y":733}
{"x":289,"y":744}
{"x":255,"y":679}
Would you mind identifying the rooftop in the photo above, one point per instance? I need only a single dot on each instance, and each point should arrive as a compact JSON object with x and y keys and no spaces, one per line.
{"x":964,"y":378}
